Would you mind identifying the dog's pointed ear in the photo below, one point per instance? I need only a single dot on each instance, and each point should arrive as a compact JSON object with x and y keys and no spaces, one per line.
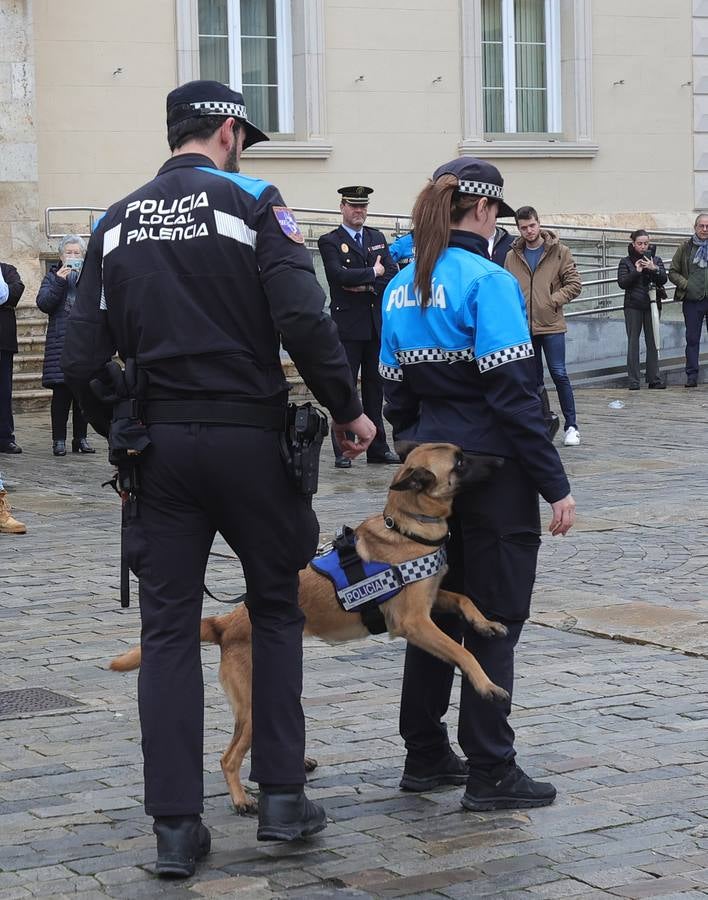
{"x":403,"y":448}
{"x":414,"y":480}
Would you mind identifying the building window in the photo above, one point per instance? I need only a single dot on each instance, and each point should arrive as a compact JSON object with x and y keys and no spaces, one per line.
{"x":521,"y":66}
{"x":248,"y":45}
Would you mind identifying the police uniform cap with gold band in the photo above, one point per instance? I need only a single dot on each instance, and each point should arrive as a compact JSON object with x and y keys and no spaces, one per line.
{"x":211,"y":98}
{"x":478,"y":177}
{"x":356,"y":194}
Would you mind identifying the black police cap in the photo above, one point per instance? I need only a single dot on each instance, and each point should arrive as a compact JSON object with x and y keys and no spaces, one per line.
{"x":475,"y":176}
{"x":211,"y":98}
{"x":355,"y":194}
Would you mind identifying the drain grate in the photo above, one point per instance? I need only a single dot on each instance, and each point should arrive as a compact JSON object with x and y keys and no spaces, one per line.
{"x":32,"y":700}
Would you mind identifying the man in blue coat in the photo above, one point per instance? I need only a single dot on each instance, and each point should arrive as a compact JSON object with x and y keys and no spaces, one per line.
{"x":358,"y":267}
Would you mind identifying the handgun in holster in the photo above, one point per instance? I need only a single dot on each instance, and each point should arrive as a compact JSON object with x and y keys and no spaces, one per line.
{"x":127,"y":439}
{"x":306,"y":428}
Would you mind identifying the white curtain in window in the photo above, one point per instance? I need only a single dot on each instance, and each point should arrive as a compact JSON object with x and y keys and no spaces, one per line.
{"x":492,"y":65}
{"x":259,"y":61}
{"x":530,"y":56}
{"x":214,"y":40}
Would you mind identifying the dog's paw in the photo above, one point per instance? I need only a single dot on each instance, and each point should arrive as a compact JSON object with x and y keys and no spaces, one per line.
{"x":310,"y":764}
{"x":495,"y":694}
{"x":248,"y":806}
{"x":491,"y":629}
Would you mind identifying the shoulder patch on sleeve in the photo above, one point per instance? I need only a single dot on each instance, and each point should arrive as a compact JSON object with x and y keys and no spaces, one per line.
{"x":288,"y":224}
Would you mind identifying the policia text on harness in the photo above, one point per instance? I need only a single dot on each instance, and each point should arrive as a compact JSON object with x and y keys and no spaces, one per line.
{"x":303,"y":428}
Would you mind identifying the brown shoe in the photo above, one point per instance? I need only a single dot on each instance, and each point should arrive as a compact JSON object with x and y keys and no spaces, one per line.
{"x":8,"y":525}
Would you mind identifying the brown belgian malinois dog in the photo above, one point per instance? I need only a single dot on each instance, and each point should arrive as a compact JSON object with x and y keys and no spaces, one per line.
{"x":414,"y":520}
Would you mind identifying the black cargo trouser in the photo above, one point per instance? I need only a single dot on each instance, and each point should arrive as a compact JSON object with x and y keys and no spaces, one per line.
{"x":363,"y":357}
{"x":492,"y":559}
{"x":197,"y":480}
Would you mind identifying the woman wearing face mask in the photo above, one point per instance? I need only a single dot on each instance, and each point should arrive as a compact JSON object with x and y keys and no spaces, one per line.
{"x":639,"y":272}
{"x":55,"y":298}
{"x":457,"y":363}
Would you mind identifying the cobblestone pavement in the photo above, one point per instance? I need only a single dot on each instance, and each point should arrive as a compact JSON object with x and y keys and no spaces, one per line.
{"x":620,"y":726}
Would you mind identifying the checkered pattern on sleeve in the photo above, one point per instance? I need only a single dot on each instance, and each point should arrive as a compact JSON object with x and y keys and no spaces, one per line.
{"x":433,"y":354}
{"x":423,"y":567}
{"x":481,"y":189}
{"x":390,"y":373}
{"x":220,"y":108}
{"x":506,"y":355}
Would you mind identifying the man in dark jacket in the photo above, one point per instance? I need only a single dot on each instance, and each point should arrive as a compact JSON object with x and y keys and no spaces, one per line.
{"x":689,"y":272}
{"x":194,"y":277}
{"x":358,"y":267}
{"x":11,"y":289}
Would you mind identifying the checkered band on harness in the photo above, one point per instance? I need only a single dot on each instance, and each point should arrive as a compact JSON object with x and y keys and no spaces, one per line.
{"x":220,"y":108}
{"x":433,"y":354}
{"x":508,"y":354}
{"x":391,"y":373}
{"x":481,"y":188}
{"x":386,"y":584}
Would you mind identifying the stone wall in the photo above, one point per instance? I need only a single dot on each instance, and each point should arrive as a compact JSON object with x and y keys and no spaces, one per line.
{"x":19,"y":196}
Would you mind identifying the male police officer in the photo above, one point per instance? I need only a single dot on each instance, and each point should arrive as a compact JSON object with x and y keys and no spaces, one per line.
{"x":358,"y":268}
{"x":194,"y":275}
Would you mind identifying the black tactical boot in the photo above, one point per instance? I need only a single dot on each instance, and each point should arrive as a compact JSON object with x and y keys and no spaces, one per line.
{"x":288,"y":816}
{"x":449,"y":769}
{"x":181,"y":841}
{"x":506,"y":786}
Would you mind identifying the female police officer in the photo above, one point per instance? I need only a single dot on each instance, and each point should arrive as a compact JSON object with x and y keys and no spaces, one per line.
{"x":457,"y":363}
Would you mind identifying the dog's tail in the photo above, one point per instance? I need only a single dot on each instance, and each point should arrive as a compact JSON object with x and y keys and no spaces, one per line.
{"x":210,"y":632}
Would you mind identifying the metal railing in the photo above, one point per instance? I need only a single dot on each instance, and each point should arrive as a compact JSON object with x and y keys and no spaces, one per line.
{"x":597,"y":249}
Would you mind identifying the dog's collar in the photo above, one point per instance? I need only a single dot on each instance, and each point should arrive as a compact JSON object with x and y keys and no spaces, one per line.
{"x":390,"y":523}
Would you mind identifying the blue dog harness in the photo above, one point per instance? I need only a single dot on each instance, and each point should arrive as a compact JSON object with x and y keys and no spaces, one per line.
{"x":362,"y":586}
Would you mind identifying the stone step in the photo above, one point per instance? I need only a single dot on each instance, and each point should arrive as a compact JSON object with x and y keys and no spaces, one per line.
{"x":32,"y":325}
{"x":30,"y":344}
{"x":30,"y":400}
{"x":26,"y":381}
{"x":26,"y":361}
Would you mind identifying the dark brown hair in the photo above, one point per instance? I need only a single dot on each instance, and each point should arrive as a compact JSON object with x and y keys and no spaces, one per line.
{"x":198,"y":128}
{"x":526,"y":212}
{"x":439,"y":206}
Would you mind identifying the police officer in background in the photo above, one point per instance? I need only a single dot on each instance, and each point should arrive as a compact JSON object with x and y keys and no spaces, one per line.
{"x":358,"y":267}
{"x":195,"y":275}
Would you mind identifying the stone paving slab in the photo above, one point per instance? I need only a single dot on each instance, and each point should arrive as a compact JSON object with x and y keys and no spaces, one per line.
{"x":620,"y":725}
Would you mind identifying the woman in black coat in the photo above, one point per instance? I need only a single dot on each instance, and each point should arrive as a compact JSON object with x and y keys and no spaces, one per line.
{"x":56,"y":297}
{"x":638,"y":273}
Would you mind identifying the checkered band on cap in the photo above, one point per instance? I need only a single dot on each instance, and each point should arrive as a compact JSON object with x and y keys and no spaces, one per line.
{"x":221,"y":108}
{"x":508,"y":354}
{"x":481,"y":189}
{"x":433,"y":354}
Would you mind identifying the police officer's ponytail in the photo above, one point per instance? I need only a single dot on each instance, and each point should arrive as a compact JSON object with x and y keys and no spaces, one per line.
{"x":439,"y":206}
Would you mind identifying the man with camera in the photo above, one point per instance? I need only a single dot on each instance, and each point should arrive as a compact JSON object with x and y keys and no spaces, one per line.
{"x":194,"y":277}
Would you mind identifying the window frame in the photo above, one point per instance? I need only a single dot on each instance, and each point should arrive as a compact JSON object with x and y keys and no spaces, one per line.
{"x":574,"y":60}
{"x":552,"y":60}
{"x":308,"y":98}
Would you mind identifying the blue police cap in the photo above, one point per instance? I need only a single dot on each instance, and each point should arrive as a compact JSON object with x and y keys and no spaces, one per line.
{"x":211,"y":98}
{"x":478,"y":177}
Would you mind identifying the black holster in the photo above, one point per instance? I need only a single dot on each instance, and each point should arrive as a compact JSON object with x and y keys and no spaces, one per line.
{"x":306,"y":428}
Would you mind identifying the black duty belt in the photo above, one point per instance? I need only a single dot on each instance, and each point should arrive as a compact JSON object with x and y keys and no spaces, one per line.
{"x":215,"y":412}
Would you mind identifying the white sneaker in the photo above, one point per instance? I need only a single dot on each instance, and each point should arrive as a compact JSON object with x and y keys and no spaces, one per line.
{"x":572,"y":437}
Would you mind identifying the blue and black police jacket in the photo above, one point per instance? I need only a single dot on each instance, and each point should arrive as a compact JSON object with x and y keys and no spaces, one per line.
{"x":461,"y":369}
